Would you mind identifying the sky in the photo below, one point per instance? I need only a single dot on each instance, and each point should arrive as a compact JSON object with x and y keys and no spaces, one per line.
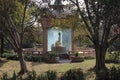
{"x":64,"y":2}
{"x":52,"y":2}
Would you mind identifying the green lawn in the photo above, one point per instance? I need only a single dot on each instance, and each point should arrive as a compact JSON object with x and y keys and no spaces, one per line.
{"x":9,"y":66}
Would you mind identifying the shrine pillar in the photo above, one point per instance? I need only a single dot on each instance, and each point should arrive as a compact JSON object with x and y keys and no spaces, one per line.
{"x":45,"y":40}
{"x":73,"y":39}
{"x":46,"y":23}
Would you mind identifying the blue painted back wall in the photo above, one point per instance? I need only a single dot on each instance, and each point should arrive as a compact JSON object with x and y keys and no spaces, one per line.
{"x":66,"y":39}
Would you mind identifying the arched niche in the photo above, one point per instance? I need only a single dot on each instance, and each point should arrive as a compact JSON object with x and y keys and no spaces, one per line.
{"x":64,"y":25}
{"x":65,"y":37}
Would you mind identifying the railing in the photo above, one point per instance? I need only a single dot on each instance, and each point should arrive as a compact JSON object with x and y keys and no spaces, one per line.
{"x":32,"y":51}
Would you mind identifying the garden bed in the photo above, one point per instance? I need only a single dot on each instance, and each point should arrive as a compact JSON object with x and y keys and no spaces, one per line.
{"x":77,"y":59}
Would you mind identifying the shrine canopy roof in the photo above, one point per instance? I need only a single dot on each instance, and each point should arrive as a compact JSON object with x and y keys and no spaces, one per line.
{"x":59,"y":14}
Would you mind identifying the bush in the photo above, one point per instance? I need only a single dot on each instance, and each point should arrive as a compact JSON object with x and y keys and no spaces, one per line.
{"x":42,"y":77}
{"x":33,"y":58}
{"x":52,"y":75}
{"x":89,"y":57}
{"x":102,"y":75}
{"x":113,"y":57}
{"x":73,"y":74}
{"x":76,"y":54}
{"x":5,"y":55}
{"x":31,"y":75}
{"x":77,"y":59}
{"x":10,"y":56}
{"x":13,"y":57}
{"x":5,"y":76}
{"x":114,"y":73}
{"x":111,"y":74}
{"x":52,"y":54}
{"x":14,"y":77}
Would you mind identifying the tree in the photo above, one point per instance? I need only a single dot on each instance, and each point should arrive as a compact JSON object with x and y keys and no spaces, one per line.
{"x":80,"y":37}
{"x":32,"y":37}
{"x":1,"y":39}
{"x":17,"y":19}
{"x":100,"y":17}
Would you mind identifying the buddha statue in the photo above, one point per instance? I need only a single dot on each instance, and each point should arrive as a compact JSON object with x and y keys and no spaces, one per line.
{"x":58,"y":42}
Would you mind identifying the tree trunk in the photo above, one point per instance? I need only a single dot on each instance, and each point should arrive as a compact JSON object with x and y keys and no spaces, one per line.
{"x":100,"y":58}
{"x":22,"y":62}
{"x":2,"y":46}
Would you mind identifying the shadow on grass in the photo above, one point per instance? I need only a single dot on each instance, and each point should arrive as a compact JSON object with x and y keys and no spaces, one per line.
{"x":35,"y":63}
{"x":90,"y":74}
{"x":2,"y":62}
{"x":93,"y":74}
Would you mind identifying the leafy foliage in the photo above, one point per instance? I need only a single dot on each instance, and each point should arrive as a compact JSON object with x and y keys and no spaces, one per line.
{"x":31,"y":75}
{"x":110,"y":74}
{"x":42,"y":77}
{"x":113,"y":57}
{"x":33,"y":58}
{"x":89,"y":57}
{"x":66,"y":22}
{"x":32,"y":37}
{"x":14,"y":77}
{"x":75,"y":74}
{"x":52,"y":75}
{"x":5,"y":76}
{"x":17,"y":18}
{"x":52,"y":54}
{"x":115,"y":46}
{"x":100,"y":17}
{"x":76,"y":54}
{"x":10,"y":56}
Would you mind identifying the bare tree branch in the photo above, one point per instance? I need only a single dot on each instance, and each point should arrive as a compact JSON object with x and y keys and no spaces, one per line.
{"x":88,"y":11}
{"x":73,"y":2}
{"x":84,"y":20}
{"x":23,"y":19}
{"x":113,"y":39}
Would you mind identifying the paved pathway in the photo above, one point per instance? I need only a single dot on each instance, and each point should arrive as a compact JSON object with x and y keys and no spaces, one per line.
{"x":65,"y":61}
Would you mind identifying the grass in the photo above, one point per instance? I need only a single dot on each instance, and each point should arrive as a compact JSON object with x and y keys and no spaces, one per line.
{"x":11,"y":66}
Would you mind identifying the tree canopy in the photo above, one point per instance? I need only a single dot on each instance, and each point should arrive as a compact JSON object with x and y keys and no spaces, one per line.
{"x":17,"y":17}
{"x":100,"y":18}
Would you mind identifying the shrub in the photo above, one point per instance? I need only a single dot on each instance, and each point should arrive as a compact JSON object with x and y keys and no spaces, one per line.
{"x":13,"y":57}
{"x":89,"y":57}
{"x":5,"y":76}
{"x":77,"y":59}
{"x":73,"y":74}
{"x":14,"y":77}
{"x":102,"y":75}
{"x":76,"y":54}
{"x":51,"y":75}
{"x":113,"y":57}
{"x":33,"y":58}
{"x":5,"y":55}
{"x":114,"y":73}
{"x":31,"y":75}
{"x":10,"y":56}
{"x":52,"y":54}
{"x":42,"y":77}
{"x":111,"y":74}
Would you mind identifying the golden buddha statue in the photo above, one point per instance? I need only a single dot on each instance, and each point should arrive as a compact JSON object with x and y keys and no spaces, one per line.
{"x":58,"y":42}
